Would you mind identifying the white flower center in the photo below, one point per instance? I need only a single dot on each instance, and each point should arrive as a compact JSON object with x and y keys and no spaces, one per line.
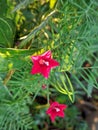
{"x":43,"y":62}
{"x":57,"y":109}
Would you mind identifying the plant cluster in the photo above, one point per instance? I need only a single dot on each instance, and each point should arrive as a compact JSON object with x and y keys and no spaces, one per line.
{"x":35,"y":37}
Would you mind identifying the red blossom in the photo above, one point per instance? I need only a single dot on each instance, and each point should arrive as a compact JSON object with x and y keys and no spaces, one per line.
{"x":43,"y":64}
{"x":56,"y":109}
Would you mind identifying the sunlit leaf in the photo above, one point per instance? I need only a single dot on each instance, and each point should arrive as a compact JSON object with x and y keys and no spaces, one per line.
{"x":52,"y":3}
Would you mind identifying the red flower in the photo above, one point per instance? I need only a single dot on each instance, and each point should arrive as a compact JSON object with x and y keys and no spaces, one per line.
{"x":43,"y":64}
{"x":56,"y":109}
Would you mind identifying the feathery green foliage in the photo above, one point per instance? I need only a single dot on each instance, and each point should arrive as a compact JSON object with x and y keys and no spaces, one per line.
{"x":69,"y":28}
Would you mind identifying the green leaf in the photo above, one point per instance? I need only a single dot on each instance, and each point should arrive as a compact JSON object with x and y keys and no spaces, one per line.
{"x":14,"y":58}
{"x":7,"y":31}
{"x":4,"y":92}
{"x":63,"y":84}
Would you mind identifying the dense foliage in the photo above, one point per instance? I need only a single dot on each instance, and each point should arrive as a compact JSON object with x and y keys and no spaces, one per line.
{"x":69,"y":28}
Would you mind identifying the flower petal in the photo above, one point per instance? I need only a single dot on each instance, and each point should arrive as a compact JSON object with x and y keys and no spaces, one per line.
{"x":36,"y":69}
{"x":35,"y":58}
{"x":62,"y":106}
{"x":47,"y":54}
{"x":53,"y":63}
{"x":52,"y":116}
{"x":60,"y":113}
{"x":45,"y":71}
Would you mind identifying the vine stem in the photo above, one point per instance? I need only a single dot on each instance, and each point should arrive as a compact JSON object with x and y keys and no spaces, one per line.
{"x":7,"y":78}
{"x":36,"y":29}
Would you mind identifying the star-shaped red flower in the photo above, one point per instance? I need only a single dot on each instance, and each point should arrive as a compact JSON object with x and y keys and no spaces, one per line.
{"x":56,"y":109}
{"x":43,"y":64}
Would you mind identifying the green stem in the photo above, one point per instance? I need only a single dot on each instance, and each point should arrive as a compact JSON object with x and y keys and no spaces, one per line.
{"x":35,"y":30}
{"x":48,"y":95}
{"x":8,"y":76}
